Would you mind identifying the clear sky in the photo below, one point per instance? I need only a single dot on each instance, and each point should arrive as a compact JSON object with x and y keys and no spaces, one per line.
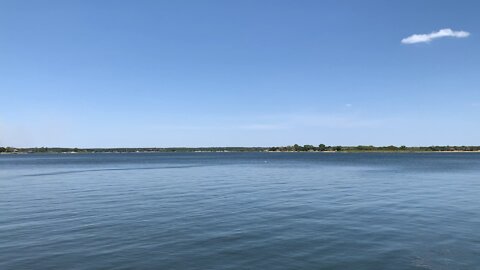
{"x":239,"y":73}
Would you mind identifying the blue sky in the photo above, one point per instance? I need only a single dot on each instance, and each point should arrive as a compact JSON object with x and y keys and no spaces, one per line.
{"x":237,"y":73}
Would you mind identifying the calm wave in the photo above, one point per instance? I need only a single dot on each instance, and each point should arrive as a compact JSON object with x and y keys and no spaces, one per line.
{"x":240,"y":211}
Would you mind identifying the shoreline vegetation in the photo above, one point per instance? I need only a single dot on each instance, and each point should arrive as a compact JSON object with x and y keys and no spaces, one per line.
{"x":291,"y":148}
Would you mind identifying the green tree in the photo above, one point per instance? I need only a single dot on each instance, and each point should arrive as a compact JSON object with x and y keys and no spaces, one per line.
{"x":322,"y":147}
{"x":297,"y":147}
{"x":392,"y":148}
{"x":308,"y":147}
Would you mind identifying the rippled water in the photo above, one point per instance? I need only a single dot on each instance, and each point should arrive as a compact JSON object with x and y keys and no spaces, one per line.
{"x":240,"y":211}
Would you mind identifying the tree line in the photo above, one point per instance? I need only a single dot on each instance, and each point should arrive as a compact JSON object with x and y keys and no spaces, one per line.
{"x":291,"y":148}
{"x":370,"y":148}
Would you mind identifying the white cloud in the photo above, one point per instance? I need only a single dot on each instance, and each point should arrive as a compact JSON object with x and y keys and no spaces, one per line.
{"x":447,"y":32}
{"x":283,"y":121}
{"x":309,"y":120}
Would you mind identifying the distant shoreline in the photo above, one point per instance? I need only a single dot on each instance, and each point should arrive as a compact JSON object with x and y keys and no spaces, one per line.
{"x":280,"y":149}
{"x":226,"y":152}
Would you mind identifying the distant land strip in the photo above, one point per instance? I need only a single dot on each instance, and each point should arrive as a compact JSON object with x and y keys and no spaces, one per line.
{"x":290,"y":148}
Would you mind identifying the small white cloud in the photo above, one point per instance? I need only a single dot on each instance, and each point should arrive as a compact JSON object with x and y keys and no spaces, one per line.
{"x":447,"y":32}
{"x":262,"y":126}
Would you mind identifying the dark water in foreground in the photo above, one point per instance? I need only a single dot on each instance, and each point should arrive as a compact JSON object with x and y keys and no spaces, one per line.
{"x":240,"y":211}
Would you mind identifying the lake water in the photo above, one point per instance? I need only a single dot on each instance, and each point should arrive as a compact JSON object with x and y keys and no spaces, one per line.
{"x":240,"y":211}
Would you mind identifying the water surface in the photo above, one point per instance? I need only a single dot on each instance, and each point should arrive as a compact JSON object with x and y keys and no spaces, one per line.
{"x":240,"y":211}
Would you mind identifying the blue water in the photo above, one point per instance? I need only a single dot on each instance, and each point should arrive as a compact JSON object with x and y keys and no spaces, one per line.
{"x":240,"y":211}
